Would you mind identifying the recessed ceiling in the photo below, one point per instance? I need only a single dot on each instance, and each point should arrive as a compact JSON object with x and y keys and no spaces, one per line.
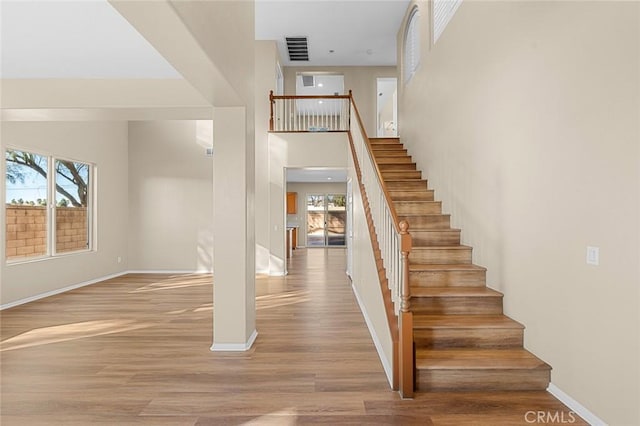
{"x":74,"y":39}
{"x":359,"y":32}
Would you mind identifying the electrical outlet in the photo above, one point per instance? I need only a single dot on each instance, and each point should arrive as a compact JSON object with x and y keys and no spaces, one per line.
{"x":593,"y":255}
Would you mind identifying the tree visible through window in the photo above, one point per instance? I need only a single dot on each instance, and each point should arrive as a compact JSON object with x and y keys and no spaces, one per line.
{"x":35,"y":227}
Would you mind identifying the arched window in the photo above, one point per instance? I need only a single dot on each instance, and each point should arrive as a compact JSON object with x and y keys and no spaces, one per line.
{"x":412,"y":45}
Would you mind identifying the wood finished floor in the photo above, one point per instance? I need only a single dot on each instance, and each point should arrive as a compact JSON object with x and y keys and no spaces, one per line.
{"x":135,"y":351}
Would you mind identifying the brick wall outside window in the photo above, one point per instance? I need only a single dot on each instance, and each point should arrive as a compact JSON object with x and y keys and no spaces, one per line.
{"x":26,"y":232}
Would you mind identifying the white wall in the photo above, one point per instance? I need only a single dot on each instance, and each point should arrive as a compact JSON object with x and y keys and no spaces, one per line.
{"x":365,"y":280}
{"x":101,"y":143}
{"x":524,"y":118}
{"x":266,"y":57}
{"x":296,"y":150}
{"x":361,"y":80}
{"x":307,"y":188}
{"x":170,"y":196}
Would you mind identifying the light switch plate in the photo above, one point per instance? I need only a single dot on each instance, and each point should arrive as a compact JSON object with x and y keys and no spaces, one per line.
{"x":593,"y":255}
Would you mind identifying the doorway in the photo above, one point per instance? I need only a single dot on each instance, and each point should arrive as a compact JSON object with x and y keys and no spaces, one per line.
{"x":326,"y":220}
{"x":387,"y":112}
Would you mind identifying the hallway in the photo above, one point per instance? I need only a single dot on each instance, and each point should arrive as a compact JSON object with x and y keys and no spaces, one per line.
{"x":135,"y":351}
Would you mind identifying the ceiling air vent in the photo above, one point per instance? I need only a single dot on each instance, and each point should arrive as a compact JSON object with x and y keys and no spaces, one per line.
{"x":298,"y":49}
{"x":308,"y":81}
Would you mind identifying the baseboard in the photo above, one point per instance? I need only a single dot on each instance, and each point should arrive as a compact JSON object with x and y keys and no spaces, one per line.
{"x":575,"y":406}
{"x":386,"y":365}
{"x":60,"y":290}
{"x":235,"y":347}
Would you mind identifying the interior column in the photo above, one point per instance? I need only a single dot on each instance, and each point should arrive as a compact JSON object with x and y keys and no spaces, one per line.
{"x":234,"y":310}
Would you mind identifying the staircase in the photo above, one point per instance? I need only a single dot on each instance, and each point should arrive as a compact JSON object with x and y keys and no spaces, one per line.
{"x":463,"y":342}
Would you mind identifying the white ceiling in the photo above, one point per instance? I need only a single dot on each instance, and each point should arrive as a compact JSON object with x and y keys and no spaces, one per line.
{"x":90,"y":39}
{"x":359,"y":32}
{"x":74,"y":39}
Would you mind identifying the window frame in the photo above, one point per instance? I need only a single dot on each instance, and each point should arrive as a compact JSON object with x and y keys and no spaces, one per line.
{"x":411,"y":46}
{"x":52,"y":208}
{"x":441,"y":14}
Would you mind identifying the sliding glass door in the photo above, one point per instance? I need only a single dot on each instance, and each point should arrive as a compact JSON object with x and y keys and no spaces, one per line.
{"x":326,"y":219}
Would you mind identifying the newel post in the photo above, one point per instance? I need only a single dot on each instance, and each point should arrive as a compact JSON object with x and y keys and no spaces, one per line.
{"x":271,"y":101}
{"x":405,"y":318}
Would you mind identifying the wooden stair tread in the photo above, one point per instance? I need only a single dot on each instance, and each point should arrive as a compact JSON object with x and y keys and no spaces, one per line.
{"x":377,"y":147}
{"x":394,"y":139}
{"x":416,"y":203}
{"x":401,"y":152}
{"x":454,"y":292}
{"x":456,"y":247}
{"x":464,"y":321}
{"x":419,"y":267}
{"x":410,"y":214}
{"x":463,"y":340}
{"x":478,"y":359}
{"x":415,"y":226}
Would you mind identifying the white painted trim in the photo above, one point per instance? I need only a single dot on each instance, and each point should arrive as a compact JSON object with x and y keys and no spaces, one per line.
{"x":60,"y":290}
{"x":386,"y":365}
{"x":575,"y":406}
{"x":235,"y":347}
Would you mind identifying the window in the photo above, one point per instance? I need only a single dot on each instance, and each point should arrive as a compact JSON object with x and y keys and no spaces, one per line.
{"x":412,"y":45}
{"x":35,"y":226}
{"x":443,"y":11}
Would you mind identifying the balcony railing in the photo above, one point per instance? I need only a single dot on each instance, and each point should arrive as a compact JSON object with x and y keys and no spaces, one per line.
{"x":309,"y":113}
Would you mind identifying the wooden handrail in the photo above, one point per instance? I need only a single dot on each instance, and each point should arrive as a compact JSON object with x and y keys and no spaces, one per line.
{"x":287,"y":117}
{"x":392,"y":209}
{"x":403,"y":366}
{"x":273,"y":97}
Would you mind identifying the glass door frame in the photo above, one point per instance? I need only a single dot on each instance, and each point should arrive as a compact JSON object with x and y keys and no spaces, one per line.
{"x":325,"y":227}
